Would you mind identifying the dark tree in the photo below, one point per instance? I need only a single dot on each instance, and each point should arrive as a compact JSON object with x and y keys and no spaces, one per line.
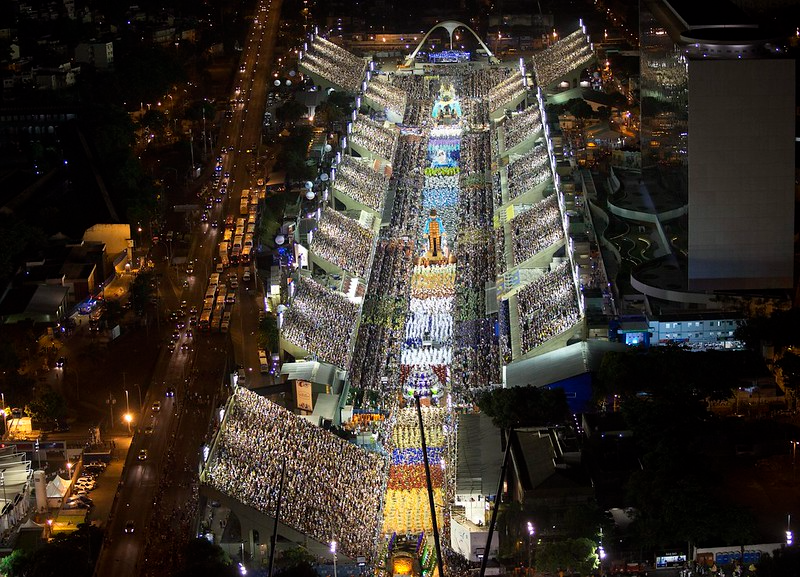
{"x":205,"y":559}
{"x":572,"y":555}
{"x":781,"y":329}
{"x":141,"y":291}
{"x":290,"y":112}
{"x":524,"y":406}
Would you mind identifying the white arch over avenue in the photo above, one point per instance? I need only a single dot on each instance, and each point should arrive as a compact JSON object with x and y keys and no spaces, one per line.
{"x":450,"y":26}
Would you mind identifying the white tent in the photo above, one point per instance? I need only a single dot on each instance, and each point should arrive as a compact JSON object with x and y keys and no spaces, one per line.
{"x":58,"y":487}
{"x":31,"y":524}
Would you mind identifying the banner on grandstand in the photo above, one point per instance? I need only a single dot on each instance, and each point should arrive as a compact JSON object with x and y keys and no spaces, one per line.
{"x":302,"y":393}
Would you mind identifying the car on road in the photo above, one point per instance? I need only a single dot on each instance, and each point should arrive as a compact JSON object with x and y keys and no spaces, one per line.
{"x":129,"y":526}
{"x":214,"y":223}
{"x":176,"y":335}
{"x":86,"y":483}
{"x":246,"y":276}
{"x":142,"y":455}
{"x":148,"y":430}
{"x":156,"y":406}
{"x":97,"y":467}
{"x":61,"y":362}
{"x":170,"y":392}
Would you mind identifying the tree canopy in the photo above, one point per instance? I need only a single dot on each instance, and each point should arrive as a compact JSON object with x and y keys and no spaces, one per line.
{"x":671,"y":371}
{"x":781,"y":329}
{"x":524,"y":406}
{"x":572,"y":555}
{"x":203,"y":558}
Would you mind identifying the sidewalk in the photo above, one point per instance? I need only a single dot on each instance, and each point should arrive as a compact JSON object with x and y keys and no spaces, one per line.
{"x":108,"y":483}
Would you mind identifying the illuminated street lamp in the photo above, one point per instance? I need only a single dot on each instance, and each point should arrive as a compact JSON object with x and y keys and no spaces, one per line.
{"x":333,"y":550}
{"x":531,"y":533}
{"x":128,"y":418}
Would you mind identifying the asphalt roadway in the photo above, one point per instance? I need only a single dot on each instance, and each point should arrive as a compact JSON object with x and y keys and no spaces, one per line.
{"x":159,"y":493}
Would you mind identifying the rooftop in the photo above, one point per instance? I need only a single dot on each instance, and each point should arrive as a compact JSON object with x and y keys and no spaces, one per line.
{"x":708,"y":13}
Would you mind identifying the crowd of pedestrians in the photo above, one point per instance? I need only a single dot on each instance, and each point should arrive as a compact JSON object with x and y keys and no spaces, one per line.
{"x":361,"y":182}
{"x":332,"y":489}
{"x":342,"y":241}
{"x":334,"y":64}
{"x":408,"y":181}
{"x":430,"y":320}
{"x":536,"y":229}
{"x":383,"y":315}
{"x":375,"y":137}
{"x":380,"y":334}
{"x":522,"y":126}
{"x":418,"y":90}
{"x":547,"y":307}
{"x":426,"y":355}
{"x":435,"y":281}
{"x":320,"y":321}
{"x":476,"y":83}
{"x":475,"y":362}
{"x":528,"y":171}
{"x":405,"y":429}
{"x":569,"y":53}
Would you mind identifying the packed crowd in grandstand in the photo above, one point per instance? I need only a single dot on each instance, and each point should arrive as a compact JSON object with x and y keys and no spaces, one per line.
{"x":536,"y":229}
{"x":521,"y":126}
{"x":332,"y":488}
{"x":387,"y":96}
{"x":342,"y":241}
{"x":568,"y":54}
{"x":374,"y":137}
{"x":528,"y":171}
{"x":547,"y":307}
{"x":503,"y":92}
{"x":358,"y":180}
{"x":320,"y":321}
{"x":334,"y":64}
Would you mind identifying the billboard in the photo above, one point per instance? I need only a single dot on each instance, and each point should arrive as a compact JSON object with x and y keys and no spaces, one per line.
{"x":302,"y":393}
